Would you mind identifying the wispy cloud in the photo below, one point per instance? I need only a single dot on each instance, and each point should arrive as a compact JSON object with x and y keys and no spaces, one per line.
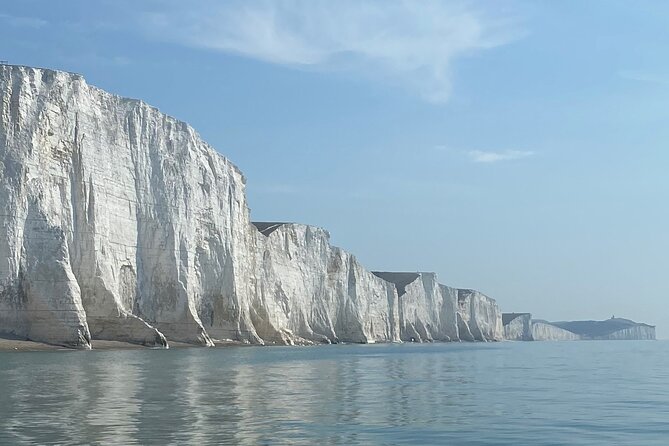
{"x":407,"y":43}
{"x":484,"y":156}
{"x":643,"y":76}
{"x":480,"y":156}
{"x":22,"y":22}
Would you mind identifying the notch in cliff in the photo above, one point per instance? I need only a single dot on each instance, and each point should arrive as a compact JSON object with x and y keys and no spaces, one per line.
{"x":400,"y":279}
{"x":266,"y":228}
{"x":508,"y":317}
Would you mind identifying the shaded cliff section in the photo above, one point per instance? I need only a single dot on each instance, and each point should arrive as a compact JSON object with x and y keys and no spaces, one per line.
{"x":118,"y":222}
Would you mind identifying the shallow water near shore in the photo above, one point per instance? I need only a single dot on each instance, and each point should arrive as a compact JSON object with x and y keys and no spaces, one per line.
{"x":541,"y":393}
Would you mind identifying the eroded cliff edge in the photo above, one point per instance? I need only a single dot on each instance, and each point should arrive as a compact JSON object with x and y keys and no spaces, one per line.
{"x":119,"y":223}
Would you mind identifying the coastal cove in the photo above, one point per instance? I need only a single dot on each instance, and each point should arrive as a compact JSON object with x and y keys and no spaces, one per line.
{"x":508,"y":393}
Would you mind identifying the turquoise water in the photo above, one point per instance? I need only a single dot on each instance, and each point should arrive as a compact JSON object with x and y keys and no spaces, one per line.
{"x":589,"y":393}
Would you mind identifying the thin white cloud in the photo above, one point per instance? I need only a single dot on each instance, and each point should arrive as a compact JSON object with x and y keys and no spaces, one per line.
{"x":22,"y":22}
{"x":643,"y":76}
{"x":407,"y":43}
{"x":480,"y":156}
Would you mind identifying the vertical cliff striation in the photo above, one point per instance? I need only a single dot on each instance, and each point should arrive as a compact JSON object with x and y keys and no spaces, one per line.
{"x":546,"y":331}
{"x":118,"y":222}
{"x":309,"y":290}
{"x":430,"y":311}
{"x":479,"y":316}
{"x":517,"y":326}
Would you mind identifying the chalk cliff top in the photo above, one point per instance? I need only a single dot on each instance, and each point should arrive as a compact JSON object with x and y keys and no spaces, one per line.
{"x":400,"y":279}
{"x":266,"y":228}
{"x":19,"y":72}
{"x":28,"y":67}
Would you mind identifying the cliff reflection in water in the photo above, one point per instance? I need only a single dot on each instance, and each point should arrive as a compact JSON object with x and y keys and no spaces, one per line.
{"x":508,"y":393}
{"x":236,"y":395}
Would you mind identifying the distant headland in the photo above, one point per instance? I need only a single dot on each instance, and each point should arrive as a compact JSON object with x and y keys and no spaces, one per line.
{"x":521,"y":327}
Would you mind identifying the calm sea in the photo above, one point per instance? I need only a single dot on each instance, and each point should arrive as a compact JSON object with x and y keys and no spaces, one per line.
{"x":588,"y":393}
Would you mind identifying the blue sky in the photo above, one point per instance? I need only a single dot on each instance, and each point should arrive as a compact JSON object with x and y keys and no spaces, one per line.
{"x":515,"y":147}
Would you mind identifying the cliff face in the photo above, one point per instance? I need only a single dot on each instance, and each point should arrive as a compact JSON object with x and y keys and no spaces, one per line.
{"x":517,"y":326}
{"x":124,"y":208}
{"x":430,"y":311}
{"x":545,"y":331}
{"x":479,"y":317}
{"x":639,"y":332}
{"x":310,"y":291}
{"x":521,"y":327}
{"x":118,"y":222}
{"x":425,"y":313}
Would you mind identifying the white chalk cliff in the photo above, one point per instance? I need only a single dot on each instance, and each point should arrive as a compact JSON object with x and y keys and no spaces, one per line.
{"x":118,"y":222}
{"x":517,"y":326}
{"x":521,"y":327}
{"x":545,"y":331}
{"x":430,"y":311}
